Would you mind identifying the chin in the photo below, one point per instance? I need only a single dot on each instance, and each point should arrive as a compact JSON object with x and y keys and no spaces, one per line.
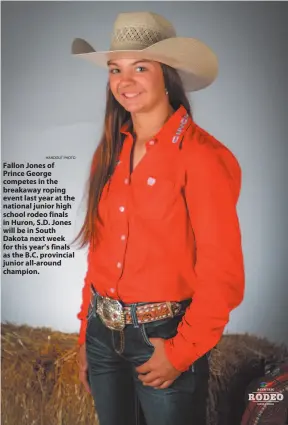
{"x":135,"y":108}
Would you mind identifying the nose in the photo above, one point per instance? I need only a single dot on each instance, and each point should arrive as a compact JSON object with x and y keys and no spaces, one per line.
{"x":126,"y":83}
{"x":126,"y":80}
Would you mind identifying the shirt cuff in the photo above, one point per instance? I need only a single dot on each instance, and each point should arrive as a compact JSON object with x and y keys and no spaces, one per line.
{"x":182,"y":354}
{"x":179,"y":353}
{"x":82,"y":333}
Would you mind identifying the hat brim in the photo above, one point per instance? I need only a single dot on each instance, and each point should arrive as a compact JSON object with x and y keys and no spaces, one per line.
{"x":196,"y":63}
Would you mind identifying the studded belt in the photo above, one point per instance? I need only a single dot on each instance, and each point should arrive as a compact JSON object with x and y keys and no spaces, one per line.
{"x":116,"y":316}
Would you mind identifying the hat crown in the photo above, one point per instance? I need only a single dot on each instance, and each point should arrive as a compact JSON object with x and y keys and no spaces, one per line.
{"x":136,"y":31}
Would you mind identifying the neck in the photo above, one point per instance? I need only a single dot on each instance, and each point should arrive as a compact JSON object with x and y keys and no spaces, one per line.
{"x":147,"y":124}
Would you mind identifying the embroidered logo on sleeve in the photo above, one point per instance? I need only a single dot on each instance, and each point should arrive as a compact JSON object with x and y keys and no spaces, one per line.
{"x":183,"y":121}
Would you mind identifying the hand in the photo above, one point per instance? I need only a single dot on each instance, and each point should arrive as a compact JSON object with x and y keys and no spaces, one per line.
{"x":83,"y":367}
{"x":159,"y":372}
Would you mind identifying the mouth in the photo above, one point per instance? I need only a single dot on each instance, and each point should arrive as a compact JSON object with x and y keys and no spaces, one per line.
{"x":130,"y":95}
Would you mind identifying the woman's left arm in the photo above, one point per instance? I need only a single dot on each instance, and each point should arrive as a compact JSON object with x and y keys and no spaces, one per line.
{"x":213,"y":182}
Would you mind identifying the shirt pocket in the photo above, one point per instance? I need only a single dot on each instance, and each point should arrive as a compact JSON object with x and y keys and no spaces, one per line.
{"x":154,"y":198}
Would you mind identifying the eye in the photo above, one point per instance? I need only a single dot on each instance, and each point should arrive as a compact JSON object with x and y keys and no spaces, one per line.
{"x":141,"y":68}
{"x":114,"y":71}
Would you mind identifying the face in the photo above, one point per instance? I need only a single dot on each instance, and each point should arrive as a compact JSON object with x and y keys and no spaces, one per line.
{"x":138,"y":85}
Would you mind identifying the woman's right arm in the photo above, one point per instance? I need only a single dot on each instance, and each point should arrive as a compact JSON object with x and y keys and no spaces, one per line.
{"x":82,"y":316}
{"x":86,"y":297}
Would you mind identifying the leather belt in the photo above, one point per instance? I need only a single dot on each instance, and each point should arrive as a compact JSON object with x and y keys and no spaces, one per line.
{"x":152,"y":311}
{"x":116,"y":315}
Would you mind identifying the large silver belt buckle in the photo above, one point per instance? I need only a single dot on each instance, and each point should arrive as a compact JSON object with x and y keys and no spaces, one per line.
{"x":111,"y":313}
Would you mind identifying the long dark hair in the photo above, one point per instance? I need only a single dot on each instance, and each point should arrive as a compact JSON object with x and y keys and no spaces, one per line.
{"x":106,"y":155}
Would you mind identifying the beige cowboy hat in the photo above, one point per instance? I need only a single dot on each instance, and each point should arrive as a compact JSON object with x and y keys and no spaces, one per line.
{"x":147,"y":35}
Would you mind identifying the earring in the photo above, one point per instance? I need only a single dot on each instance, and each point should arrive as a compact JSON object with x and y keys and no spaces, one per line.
{"x":166,"y":91}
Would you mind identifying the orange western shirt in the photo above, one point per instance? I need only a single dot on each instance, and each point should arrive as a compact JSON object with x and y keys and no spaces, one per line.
{"x":170,"y":232}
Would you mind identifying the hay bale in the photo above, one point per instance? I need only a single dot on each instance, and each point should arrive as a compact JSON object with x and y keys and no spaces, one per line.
{"x":40,"y":383}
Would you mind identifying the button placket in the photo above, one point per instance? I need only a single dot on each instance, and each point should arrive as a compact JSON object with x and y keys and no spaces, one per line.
{"x":150,"y":144}
{"x":122,"y":236}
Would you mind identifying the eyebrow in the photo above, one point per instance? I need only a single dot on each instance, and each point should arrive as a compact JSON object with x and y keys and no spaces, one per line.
{"x":134,"y":63}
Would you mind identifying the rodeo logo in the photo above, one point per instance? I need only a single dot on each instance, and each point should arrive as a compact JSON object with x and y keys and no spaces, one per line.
{"x":266,"y":395}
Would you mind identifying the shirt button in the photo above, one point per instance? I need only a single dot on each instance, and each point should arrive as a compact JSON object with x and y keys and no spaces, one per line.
{"x":151,"y":142}
{"x":112,"y":290}
{"x":126,"y":181}
{"x":123,"y":237}
{"x":151,"y":181}
{"x":119,"y":265}
{"x":122,"y":209}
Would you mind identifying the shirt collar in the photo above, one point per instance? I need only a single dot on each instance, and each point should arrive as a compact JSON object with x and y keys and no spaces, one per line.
{"x":171,"y":131}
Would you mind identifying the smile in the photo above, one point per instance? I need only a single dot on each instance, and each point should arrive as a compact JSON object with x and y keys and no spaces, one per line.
{"x":130,"y":95}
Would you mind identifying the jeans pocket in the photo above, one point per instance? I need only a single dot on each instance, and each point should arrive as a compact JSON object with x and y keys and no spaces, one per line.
{"x":145,"y":336}
{"x":165,"y":329}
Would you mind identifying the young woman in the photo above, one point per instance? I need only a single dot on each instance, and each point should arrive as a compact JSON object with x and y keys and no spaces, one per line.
{"x":165,"y":264}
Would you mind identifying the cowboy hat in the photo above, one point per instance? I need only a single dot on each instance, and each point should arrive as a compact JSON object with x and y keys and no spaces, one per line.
{"x":146,"y":35}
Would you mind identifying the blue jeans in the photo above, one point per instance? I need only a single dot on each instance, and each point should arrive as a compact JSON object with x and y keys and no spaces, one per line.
{"x":119,"y":396}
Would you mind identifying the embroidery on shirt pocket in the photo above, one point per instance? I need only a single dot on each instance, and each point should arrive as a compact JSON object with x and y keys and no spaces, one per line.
{"x":155,"y":197}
